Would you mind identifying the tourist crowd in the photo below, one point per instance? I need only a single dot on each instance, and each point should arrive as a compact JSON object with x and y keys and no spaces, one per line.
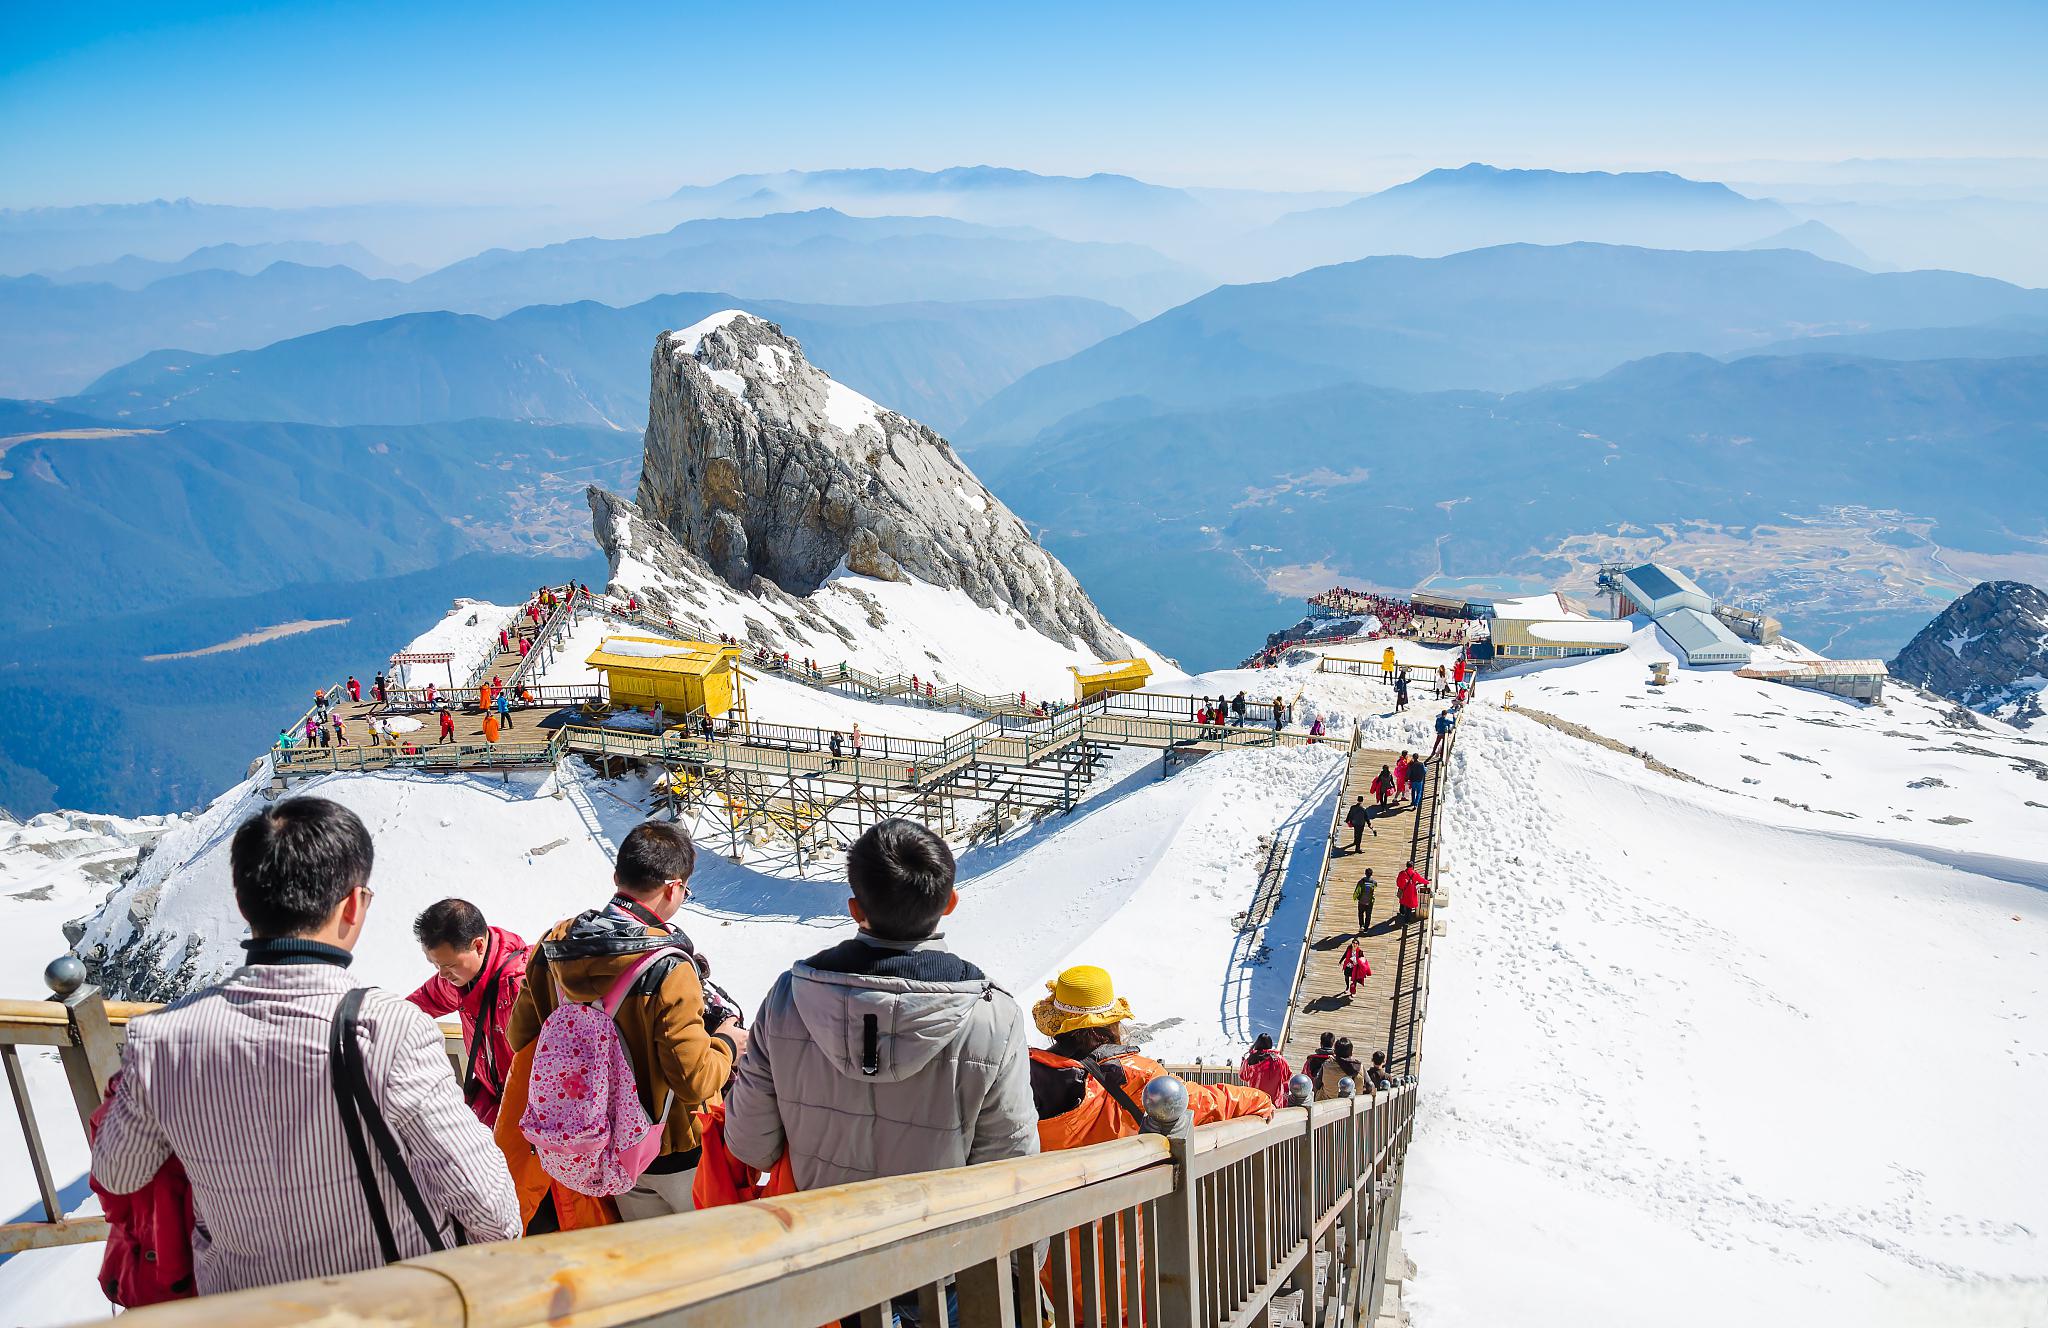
{"x":289,"y":1122}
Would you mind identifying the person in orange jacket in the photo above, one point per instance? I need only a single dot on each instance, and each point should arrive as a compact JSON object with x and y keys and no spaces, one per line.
{"x":1071,"y":1084}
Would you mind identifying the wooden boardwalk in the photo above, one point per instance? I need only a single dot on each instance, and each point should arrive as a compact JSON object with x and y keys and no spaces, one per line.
{"x":1378,"y":1016}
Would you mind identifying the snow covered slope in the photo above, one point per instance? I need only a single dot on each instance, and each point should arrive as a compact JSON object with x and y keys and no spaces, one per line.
{"x":1758,"y":1041}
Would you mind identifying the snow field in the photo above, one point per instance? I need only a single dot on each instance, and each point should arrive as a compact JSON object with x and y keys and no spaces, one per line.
{"x":1682,"y":1040}
{"x":470,"y":643}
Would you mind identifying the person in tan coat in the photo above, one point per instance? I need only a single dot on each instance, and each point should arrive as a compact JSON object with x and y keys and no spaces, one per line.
{"x":682,"y":1046}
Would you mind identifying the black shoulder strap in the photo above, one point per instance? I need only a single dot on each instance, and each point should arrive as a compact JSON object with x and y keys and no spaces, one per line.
{"x":486,"y":1008}
{"x":359,"y":1108}
{"x":1115,"y":1090}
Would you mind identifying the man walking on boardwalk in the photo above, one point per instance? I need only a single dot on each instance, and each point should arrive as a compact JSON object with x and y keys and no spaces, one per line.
{"x":1358,"y":819}
{"x":1363,"y":893}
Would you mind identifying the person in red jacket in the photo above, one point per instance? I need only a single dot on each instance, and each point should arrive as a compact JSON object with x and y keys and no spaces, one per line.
{"x":1409,"y":884}
{"x":480,"y":970}
{"x":1383,"y":788}
{"x":447,"y":725}
{"x":355,"y":689}
{"x":1266,"y":1069}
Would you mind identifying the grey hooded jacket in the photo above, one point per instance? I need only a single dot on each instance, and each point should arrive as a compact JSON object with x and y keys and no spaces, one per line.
{"x":876,"y":1058}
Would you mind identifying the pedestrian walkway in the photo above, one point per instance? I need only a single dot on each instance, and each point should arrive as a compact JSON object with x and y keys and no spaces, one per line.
{"x":1378,"y":1017}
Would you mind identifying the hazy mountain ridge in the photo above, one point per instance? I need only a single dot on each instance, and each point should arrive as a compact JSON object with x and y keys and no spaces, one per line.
{"x":130,"y":272}
{"x":1509,"y":318}
{"x":1477,"y":206}
{"x":580,"y":363}
{"x":56,"y":338}
{"x":130,"y":523}
{"x":1185,"y":533}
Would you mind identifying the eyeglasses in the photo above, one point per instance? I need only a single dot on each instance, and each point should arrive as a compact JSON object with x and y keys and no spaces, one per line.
{"x":368,"y":893}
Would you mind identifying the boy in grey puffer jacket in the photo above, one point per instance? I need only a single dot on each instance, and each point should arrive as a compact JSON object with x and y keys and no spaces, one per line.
{"x":886,"y":1054}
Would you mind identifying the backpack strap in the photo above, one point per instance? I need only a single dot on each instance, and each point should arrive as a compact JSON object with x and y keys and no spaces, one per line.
{"x":487,"y":1005}
{"x":1116,"y":1090}
{"x":623,"y":984}
{"x":359,"y":1109}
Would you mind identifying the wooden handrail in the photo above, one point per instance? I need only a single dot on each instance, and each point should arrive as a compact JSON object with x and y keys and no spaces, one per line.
{"x":804,"y":1258}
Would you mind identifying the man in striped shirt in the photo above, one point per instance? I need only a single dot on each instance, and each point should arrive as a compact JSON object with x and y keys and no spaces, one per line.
{"x":236,"y":1082}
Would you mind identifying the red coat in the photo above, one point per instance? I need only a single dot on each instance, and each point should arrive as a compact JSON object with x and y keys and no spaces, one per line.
{"x":1458,"y":671}
{"x":1410,"y":883}
{"x":148,"y":1259}
{"x":1268,"y":1072}
{"x":438,"y":996}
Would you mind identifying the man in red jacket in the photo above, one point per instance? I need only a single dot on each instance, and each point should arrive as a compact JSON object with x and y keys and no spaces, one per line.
{"x":480,"y":971}
{"x":1409,"y":883}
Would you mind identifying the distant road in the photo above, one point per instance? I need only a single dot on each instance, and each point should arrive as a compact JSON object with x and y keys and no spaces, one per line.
{"x":255,"y":638}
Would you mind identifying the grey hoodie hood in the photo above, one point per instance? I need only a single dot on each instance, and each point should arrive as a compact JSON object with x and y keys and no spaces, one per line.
{"x":898,"y":1008}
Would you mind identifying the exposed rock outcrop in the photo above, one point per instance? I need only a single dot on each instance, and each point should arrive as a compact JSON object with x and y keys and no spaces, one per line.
{"x":775,"y":477}
{"x":1988,"y":651}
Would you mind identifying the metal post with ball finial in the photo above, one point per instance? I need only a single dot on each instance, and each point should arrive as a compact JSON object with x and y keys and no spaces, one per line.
{"x":93,"y":1055}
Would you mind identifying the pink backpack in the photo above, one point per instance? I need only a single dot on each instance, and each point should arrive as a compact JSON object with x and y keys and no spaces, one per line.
{"x":583,"y":1114}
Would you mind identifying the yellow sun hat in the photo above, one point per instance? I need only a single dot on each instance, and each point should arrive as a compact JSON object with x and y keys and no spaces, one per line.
{"x":1082,"y":997}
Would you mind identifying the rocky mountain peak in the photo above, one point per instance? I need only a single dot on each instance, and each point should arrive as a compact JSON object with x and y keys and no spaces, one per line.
{"x":771,"y":474}
{"x":1988,"y":650}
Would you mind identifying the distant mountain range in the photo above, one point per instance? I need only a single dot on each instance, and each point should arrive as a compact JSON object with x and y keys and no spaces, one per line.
{"x":1503,"y":319}
{"x":587,"y":363}
{"x":132,"y":273}
{"x":822,"y":256}
{"x":1096,"y":207}
{"x":1477,"y":206}
{"x":1181,"y":522}
{"x":56,"y":338}
{"x":118,"y":520}
{"x":1820,"y":240}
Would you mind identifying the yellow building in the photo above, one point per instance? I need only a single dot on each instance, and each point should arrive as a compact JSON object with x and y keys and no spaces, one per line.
{"x":680,"y":676}
{"x":1116,"y":675}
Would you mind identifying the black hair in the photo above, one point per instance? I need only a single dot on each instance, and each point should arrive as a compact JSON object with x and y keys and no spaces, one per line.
{"x":902,"y":874}
{"x":1264,"y":1042}
{"x":294,"y":862}
{"x":1343,"y":1049}
{"x":451,"y":922}
{"x":654,"y":853}
{"x":1075,"y":1044}
{"x":1328,"y":1040}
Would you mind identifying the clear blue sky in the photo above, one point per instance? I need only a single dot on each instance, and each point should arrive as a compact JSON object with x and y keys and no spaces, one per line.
{"x":295,"y":103}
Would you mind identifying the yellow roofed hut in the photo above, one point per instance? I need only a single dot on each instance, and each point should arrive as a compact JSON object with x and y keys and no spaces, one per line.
{"x":679,"y":676}
{"x":1116,"y":675}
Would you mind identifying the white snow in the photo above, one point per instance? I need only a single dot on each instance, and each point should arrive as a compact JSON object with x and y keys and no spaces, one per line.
{"x":847,"y":410}
{"x":1699,"y":1056}
{"x":1762,"y":1048}
{"x":1593,"y":630}
{"x":1546,"y":605}
{"x":729,"y":381}
{"x":688,"y":339}
{"x":1957,"y":640}
{"x":469,"y":631}
{"x":54,"y":868}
